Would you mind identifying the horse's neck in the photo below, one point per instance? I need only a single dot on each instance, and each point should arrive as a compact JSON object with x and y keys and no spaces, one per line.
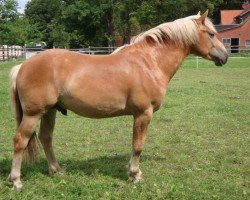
{"x":170,"y":58}
{"x":167,"y":57}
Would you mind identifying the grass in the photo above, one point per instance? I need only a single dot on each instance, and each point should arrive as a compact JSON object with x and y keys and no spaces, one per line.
{"x":197,"y":145}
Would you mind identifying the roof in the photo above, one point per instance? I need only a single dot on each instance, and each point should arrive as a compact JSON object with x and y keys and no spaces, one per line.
{"x":227,"y":16}
{"x":225,"y":27}
{"x":231,"y":19}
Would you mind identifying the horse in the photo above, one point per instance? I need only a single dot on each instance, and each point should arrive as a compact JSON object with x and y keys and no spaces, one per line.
{"x":131,"y":81}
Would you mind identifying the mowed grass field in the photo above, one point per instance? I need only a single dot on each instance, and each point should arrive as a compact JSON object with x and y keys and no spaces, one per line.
{"x":198,"y":144}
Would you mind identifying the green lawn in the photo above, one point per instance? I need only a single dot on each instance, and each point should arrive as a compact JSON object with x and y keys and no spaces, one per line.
{"x":198,"y":144}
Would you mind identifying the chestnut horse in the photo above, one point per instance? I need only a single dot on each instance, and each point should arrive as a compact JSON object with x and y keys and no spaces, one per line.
{"x":131,"y":81}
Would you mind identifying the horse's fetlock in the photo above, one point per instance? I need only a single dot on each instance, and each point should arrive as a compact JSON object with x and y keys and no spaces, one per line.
{"x":13,"y":177}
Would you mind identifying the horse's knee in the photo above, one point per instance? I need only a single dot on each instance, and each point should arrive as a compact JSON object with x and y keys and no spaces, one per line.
{"x":20,"y":142}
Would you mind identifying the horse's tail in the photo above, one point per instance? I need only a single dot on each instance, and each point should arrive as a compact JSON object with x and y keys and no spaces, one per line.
{"x":31,"y":149}
{"x":14,"y":98}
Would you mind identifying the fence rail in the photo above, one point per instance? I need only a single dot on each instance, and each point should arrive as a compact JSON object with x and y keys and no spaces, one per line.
{"x":95,"y":50}
{"x":13,"y":52}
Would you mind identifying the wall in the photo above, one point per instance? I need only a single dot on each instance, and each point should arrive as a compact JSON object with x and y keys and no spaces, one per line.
{"x":242,"y":32}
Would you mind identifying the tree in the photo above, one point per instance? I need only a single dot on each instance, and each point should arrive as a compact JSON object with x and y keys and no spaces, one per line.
{"x":58,"y":36}
{"x":126,"y":20}
{"x":40,"y":14}
{"x":8,"y":10}
{"x":89,"y":22}
{"x":72,"y":23}
{"x":132,"y":17}
{"x":13,"y":27}
{"x":81,"y":23}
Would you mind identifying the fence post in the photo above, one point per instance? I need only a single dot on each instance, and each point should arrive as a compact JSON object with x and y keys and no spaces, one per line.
{"x":3,"y":53}
{"x":12,"y":52}
{"x":7,"y":52}
{"x":24,"y":52}
{"x":15,"y":52}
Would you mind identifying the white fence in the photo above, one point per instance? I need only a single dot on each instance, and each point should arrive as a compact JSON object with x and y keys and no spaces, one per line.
{"x":242,"y":52}
{"x":11,"y":52}
{"x":95,"y":50}
{"x":29,"y":52}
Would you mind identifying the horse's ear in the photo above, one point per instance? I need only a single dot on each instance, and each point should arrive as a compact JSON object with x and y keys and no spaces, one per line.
{"x":199,"y":13}
{"x":203,"y":17}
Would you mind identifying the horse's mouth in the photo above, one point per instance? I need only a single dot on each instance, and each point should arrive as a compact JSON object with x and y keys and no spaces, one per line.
{"x":218,"y":62}
{"x":219,"y":58}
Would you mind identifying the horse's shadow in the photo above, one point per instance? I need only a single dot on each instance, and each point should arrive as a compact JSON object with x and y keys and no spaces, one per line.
{"x":113,"y":166}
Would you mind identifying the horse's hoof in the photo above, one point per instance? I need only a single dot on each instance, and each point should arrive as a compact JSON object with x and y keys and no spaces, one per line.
{"x":136,"y":177}
{"x":57,"y":170}
{"x":17,"y":184}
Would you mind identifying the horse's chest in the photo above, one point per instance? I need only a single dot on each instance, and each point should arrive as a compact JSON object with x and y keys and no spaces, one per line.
{"x":157,"y":99}
{"x":152,"y":89}
{"x":148,"y":96}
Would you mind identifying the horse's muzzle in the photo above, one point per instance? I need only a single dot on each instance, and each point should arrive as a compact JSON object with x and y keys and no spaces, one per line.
{"x":220,"y":57}
{"x":221,"y":61}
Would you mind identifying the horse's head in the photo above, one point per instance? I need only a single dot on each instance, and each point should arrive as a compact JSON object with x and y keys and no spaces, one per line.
{"x":208,"y":46}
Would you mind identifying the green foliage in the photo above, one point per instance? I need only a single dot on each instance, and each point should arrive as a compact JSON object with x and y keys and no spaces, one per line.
{"x":8,"y":10}
{"x":75,"y":24}
{"x":197,"y":145}
{"x":11,"y":26}
{"x":133,"y":17}
{"x":15,"y":29}
{"x":41,"y":13}
{"x":82,"y":23}
{"x":58,"y":37}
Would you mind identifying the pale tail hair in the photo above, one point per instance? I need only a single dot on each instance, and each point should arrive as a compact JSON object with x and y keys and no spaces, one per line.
{"x":14,"y":99}
{"x":31,"y":149}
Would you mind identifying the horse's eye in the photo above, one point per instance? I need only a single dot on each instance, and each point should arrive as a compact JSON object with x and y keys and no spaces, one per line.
{"x":211,"y":35}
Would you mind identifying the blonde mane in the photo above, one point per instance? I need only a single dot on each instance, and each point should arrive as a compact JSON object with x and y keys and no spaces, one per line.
{"x":182,"y":31}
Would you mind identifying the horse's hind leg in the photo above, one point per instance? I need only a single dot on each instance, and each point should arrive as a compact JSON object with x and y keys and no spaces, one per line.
{"x":141,"y":122}
{"x":45,"y":136}
{"x":21,"y":139}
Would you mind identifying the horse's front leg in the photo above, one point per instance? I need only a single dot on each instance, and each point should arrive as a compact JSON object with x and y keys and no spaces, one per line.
{"x":141,"y":122}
